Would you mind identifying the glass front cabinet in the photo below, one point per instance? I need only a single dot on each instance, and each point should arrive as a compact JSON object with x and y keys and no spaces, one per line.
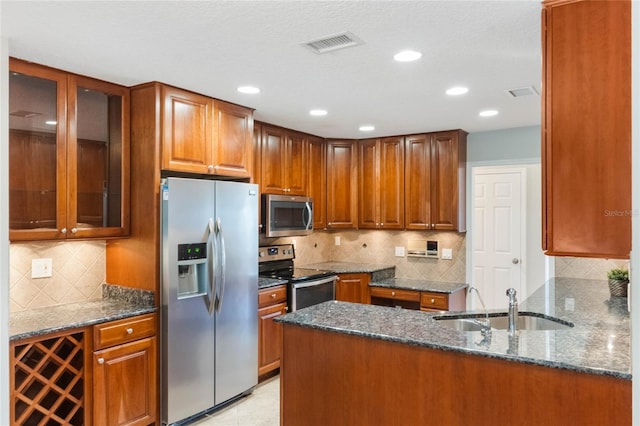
{"x":68,"y":155}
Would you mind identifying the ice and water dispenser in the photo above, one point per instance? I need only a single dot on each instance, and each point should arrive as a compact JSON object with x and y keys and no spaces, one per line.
{"x":192,"y":272}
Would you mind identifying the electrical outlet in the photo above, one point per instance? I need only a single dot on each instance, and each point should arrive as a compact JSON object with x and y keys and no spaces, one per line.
{"x":41,"y":268}
{"x":399,"y":251}
{"x":447,"y":253}
{"x":569,"y":304}
{"x":337,"y":240}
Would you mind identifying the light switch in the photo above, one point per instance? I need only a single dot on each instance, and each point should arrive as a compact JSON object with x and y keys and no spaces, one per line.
{"x":41,"y":268}
{"x":447,"y":253}
{"x":337,"y":241}
{"x":399,"y":251}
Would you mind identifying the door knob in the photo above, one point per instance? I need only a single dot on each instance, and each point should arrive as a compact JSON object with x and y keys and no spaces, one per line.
{"x":515,"y":261}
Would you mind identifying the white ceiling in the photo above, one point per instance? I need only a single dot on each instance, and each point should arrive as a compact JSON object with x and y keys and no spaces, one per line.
{"x":211,"y":47}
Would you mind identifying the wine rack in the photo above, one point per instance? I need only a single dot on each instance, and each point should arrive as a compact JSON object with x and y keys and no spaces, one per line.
{"x":48,"y":381}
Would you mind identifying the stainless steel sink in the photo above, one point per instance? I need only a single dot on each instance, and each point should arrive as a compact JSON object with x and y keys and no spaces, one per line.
{"x":526,"y":321}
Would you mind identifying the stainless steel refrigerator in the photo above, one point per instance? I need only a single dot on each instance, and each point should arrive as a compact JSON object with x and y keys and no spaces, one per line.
{"x":209,"y":294}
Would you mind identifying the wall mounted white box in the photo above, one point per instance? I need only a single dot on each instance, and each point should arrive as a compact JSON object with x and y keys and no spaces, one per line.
{"x":41,"y":268}
{"x":447,"y":253}
{"x":399,"y":251}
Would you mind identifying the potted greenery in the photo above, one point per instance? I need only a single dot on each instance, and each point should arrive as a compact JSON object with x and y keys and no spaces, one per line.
{"x":618,"y":280}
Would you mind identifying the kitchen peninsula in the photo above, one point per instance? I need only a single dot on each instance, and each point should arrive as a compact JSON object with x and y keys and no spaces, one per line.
{"x":368,"y":364}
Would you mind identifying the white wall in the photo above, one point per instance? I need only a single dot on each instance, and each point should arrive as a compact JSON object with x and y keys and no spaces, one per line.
{"x":4,"y":233}
{"x":507,"y":144}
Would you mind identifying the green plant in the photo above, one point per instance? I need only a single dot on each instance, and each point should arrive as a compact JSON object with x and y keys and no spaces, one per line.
{"x":618,"y":274}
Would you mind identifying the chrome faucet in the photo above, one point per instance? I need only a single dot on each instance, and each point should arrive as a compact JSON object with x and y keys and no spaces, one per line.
{"x":513,"y":311}
{"x":486,"y":326}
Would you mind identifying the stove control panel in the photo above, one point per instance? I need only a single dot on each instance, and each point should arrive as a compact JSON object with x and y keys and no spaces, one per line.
{"x":276,"y":252}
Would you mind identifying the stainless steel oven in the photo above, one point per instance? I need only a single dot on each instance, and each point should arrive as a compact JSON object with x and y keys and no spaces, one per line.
{"x":305,"y":287}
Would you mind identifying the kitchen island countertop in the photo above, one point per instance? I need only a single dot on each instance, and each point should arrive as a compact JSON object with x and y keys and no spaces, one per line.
{"x":599,"y":342}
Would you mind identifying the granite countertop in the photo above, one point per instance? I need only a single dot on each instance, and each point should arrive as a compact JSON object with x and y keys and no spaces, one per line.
{"x":264,"y":282}
{"x":379,"y":272}
{"x":419,"y":285}
{"x":117,"y":303}
{"x":599,"y":343}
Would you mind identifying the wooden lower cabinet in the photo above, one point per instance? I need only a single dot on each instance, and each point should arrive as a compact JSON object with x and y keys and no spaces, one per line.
{"x":272,"y":302}
{"x":353,"y":288}
{"x":341,"y":379}
{"x":422,"y":300}
{"x":125,"y":387}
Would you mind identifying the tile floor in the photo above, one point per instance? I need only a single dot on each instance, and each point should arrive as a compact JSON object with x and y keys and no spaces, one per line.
{"x":261,"y":408}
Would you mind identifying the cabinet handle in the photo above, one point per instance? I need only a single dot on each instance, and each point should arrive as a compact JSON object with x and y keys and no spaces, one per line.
{"x":273,"y":296}
{"x":100,"y":361}
{"x":63,"y":231}
{"x":433,"y":225}
{"x":74,"y":230}
{"x":382,"y":224}
{"x":210,"y":168}
{"x":129,"y":330}
{"x":433,"y":300}
{"x":393,"y":293}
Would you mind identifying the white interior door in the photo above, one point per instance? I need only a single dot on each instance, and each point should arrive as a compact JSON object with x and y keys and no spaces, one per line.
{"x":498,"y":229}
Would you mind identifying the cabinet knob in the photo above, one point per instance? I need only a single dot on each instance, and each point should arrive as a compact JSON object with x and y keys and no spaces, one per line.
{"x":433,"y":225}
{"x":63,"y":231}
{"x":100,"y":361}
{"x":210,"y":168}
{"x":74,"y":230}
{"x":129,"y":330}
{"x":381,"y":224}
{"x":393,"y":293}
{"x":273,"y":296}
{"x":286,"y":309}
{"x":433,"y":300}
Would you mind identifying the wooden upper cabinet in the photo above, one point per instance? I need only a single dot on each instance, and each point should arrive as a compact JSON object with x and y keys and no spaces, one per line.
{"x":381,"y":183}
{"x":205,"y":136}
{"x":283,"y":161}
{"x":187,"y":133}
{"x":586,"y":128}
{"x":73,"y":133}
{"x":435,"y":181}
{"x":317,"y":180}
{"x":342,"y":184}
{"x":233,"y":143}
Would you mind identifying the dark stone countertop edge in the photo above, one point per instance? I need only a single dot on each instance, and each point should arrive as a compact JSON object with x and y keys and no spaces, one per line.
{"x":451,"y":348}
{"x":351,"y":267}
{"x":264,"y":282}
{"x":420,"y":285}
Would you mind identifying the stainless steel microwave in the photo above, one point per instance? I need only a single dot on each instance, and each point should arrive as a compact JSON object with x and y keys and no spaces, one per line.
{"x":286,"y":215}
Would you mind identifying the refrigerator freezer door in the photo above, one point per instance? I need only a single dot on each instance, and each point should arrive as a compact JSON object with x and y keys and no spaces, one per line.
{"x":237,"y":312}
{"x":188,"y":342}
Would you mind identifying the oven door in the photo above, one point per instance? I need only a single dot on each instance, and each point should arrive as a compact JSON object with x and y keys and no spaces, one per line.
{"x":308,"y":293}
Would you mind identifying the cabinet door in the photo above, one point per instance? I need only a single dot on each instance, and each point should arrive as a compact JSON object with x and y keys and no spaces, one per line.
{"x":37,"y":152}
{"x":125,"y":388}
{"x":186,"y":135}
{"x":295,"y":165}
{"x":273,"y":159}
{"x":448,"y":181}
{"x":391,"y":192}
{"x":368,"y":184}
{"x":342,"y":181}
{"x":317,"y":180}
{"x":417,"y":187}
{"x":270,"y":337}
{"x":586,"y":129}
{"x":233,"y":146}
{"x":98,"y":159}
{"x":353,"y":288}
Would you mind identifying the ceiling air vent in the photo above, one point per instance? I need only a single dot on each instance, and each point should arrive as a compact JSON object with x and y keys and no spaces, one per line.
{"x":522,"y":91}
{"x":332,"y":42}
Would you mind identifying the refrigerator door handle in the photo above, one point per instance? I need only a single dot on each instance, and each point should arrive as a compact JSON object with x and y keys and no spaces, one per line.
{"x":223,"y":263}
{"x":211,"y":246}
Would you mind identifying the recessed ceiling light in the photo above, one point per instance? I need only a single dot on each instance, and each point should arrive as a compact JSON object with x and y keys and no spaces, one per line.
{"x":318,"y":112}
{"x":251,"y":90}
{"x":455,"y":91}
{"x":488,"y":113}
{"x":407,"y":56}
{"x":51,"y":122}
{"x":367,"y":128}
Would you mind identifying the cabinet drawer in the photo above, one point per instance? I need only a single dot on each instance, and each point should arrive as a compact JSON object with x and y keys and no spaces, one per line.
{"x":389,"y":293}
{"x":434,"y":301}
{"x":122,"y":331}
{"x":271,"y":296}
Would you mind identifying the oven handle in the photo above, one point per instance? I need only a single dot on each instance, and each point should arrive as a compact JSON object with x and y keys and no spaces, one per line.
{"x":313,"y":283}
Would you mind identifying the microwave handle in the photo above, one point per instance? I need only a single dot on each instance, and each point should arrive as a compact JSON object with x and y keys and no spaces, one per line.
{"x":307,"y":224}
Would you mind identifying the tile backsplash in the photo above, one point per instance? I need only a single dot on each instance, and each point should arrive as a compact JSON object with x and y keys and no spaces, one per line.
{"x":582,"y":267}
{"x":78,"y":273}
{"x":378,"y":247}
